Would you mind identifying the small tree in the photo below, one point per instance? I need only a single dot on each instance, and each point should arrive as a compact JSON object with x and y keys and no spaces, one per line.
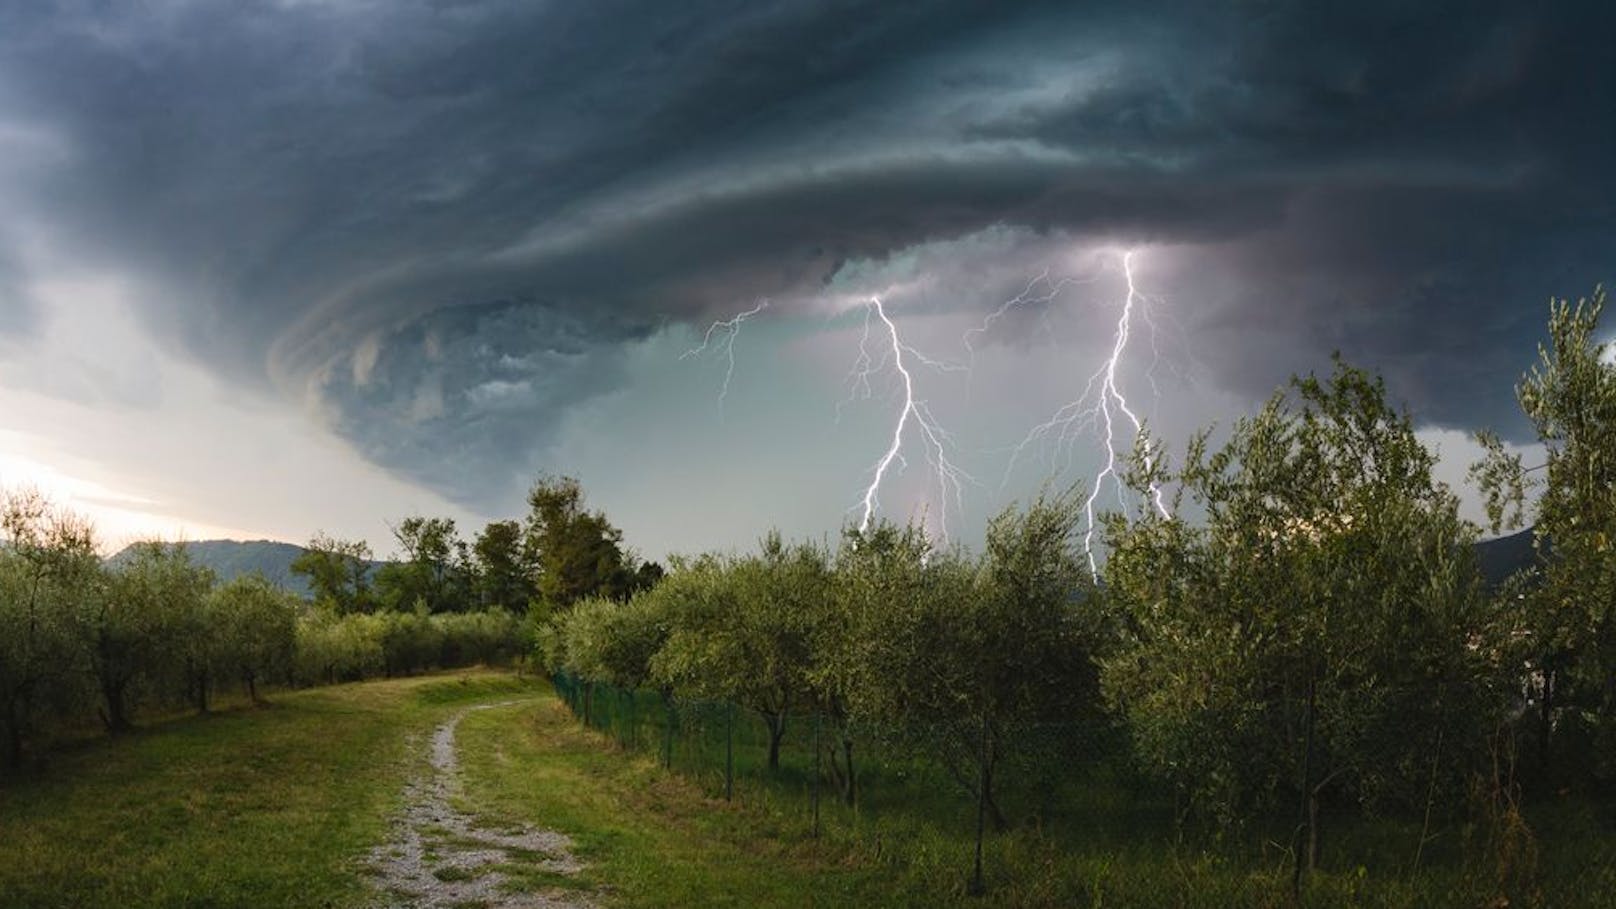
{"x":743,"y":635}
{"x":579,"y":553}
{"x":1569,"y":621}
{"x":47,"y":564}
{"x":978,"y":649}
{"x":338,"y":573}
{"x":1321,"y":630}
{"x":256,"y":622}
{"x":874,"y":569}
{"x":504,"y":571}
{"x":128,"y":629}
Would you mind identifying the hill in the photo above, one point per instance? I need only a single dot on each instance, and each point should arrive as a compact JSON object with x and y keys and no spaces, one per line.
{"x":1499,"y":558}
{"x":230,"y":559}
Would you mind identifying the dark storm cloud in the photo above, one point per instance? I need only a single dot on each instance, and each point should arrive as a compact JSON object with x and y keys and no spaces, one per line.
{"x":318,"y":190}
{"x":466,"y":397}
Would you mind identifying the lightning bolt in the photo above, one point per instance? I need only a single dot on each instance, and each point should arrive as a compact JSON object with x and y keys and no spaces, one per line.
{"x":935,"y":442}
{"x":1039,"y":291}
{"x":1101,"y":407}
{"x":728,"y":330}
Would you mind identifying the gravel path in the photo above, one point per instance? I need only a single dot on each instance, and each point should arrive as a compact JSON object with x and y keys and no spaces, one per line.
{"x":440,"y":856}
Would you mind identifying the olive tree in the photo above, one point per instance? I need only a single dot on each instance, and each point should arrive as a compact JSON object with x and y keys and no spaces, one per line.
{"x":745,"y":635}
{"x":1318,"y":629}
{"x":47,"y":563}
{"x":1569,"y":620}
{"x":958,"y":654}
{"x":129,"y":628}
{"x":255,"y":622}
{"x":874,"y":568}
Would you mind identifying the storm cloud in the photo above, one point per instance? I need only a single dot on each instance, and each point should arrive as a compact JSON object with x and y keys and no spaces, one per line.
{"x":443,"y":225}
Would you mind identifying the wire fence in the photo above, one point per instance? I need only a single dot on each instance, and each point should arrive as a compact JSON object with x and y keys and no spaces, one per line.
{"x":829,"y":769}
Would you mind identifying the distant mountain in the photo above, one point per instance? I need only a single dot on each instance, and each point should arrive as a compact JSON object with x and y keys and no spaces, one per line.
{"x":231,"y":559}
{"x":1499,"y":558}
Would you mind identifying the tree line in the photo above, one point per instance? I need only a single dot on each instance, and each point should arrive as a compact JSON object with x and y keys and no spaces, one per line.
{"x":559,"y":553}
{"x":1306,"y":631}
{"x":84,"y":641}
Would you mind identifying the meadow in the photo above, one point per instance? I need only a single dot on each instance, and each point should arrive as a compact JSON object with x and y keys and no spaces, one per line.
{"x":279,"y":805}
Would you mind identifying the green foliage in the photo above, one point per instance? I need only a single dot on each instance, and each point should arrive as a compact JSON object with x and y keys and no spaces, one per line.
{"x":579,"y":553}
{"x":1321,"y":632}
{"x":504,"y":568}
{"x":47,"y":563}
{"x":338,"y":572}
{"x":435,"y":569}
{"x":741,"y":630}
{"x":332,"y":649}
{"x":612,"y":641}
{"x":490,"y":637}
{"x":1567,"y":623}
{"x":967,"y":652}
{"x":79,"y":638}
{"x":349,"y":648}
{"x":255,"y":626}
{"x":132,"y":628}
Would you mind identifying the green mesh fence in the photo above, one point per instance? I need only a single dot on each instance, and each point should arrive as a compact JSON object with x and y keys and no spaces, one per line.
{"x":913,"y":771}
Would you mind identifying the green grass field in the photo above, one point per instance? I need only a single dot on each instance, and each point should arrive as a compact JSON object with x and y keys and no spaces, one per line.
{"x":279,"y":806}
{"x":250,"y":807}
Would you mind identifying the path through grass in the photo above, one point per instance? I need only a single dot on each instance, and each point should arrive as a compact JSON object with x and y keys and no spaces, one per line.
{"x":261,"y":807}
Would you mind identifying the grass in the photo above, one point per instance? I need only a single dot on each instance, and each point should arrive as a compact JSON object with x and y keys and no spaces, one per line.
{"x":1095,"y":839}
{"x":254,"y":807}
{"x":278,"y":807}
{"x":649,"y":837}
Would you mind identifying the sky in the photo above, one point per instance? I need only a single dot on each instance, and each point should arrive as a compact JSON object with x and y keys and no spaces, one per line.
{"x":274,"y":267}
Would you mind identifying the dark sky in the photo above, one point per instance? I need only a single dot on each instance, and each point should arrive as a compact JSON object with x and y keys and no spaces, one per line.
{"x":470,"y":240}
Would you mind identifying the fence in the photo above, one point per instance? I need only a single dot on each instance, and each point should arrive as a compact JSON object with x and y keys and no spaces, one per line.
{"x":855,"y":775}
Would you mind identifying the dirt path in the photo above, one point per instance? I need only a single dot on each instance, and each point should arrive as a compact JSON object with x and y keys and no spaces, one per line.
{"x":440,"y":856}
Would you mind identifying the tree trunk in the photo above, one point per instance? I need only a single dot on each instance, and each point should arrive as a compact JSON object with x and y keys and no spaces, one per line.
{"x":850,"y":779}
{"x":200,"y":692}
{"x":251,"y":678}
{"x":1000,"y":823}
{"x":729,"y":752}
{"x":1304,"y":821}
{"x":116,"y":715}
{"x":817,"y":774}
{"x":1545,"y":722}
{"x":978,"y":883}
{"x":672,"y":723}
{"x":1313,"y":831}
{"x":777,"y":731}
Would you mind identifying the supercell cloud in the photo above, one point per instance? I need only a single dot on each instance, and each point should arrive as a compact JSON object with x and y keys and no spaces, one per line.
{"x":445,"y":228}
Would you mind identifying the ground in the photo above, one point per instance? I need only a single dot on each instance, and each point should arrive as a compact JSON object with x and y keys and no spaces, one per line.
{"x":480,"y":791}
{"x":464,"y":790}
{"x":441,"y":855}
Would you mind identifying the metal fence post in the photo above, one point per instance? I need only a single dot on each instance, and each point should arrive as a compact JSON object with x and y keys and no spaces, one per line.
{"x":729,"y":751}
{"x":667,"y":741}
{"x":816,"y":774}
{"x":978,"y":887}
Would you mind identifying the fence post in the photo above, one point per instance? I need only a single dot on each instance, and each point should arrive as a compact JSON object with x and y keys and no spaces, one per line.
{"x":624,"y":717}
{"x":667,"y":734}
{"x":977,"y":887}
{"x":816,"y":773}
{"x":729,"y":751}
